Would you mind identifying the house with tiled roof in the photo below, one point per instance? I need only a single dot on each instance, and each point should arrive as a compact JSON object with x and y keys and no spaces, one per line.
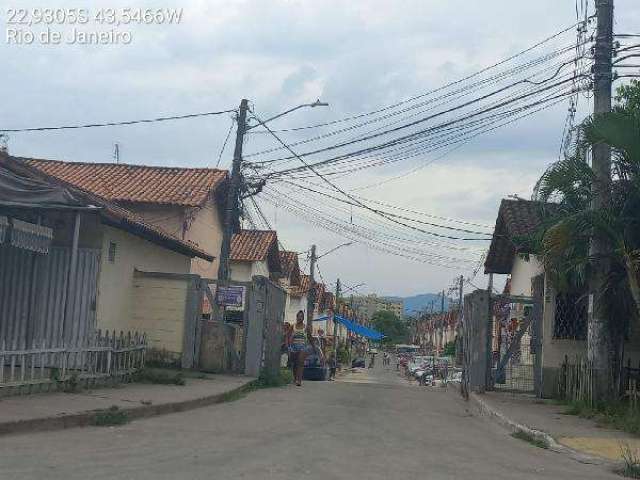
{"x":564,"y":317}
{"x":125,"y":271}
{"x":254,"y":252}
{"x":186,"y":202}
{"x":290,"y":280}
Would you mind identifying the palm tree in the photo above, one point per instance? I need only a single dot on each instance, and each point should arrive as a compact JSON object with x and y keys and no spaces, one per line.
{"x":566,"y":192}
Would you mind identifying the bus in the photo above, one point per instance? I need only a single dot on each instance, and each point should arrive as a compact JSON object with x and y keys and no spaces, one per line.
{"x":412,"y":349}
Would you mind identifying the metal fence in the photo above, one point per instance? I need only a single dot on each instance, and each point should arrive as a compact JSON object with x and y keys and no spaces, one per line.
{"x":103,"y":356}
{"x":502,"y":342}
{"x":33,"y":296}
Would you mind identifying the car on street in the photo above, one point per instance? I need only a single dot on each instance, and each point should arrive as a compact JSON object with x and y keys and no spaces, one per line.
{"x":358,"y":363}
{"x":315,"y":365}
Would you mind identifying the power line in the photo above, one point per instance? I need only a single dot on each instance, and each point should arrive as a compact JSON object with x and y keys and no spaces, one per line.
{"x":226,"y":139}
{"x":463,"y":91}
{"x":337,"y":159}
{"x":424,"y":119}
{"x":413,"y":135}
{"x":116,"y":124}
{"x":338,"y":189}
{"x":456,"y":229}
{"x":468,"y":77}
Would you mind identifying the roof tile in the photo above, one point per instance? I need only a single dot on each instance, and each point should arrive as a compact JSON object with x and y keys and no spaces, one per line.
{"x":252,"y":245}
{"x":119,"y":182}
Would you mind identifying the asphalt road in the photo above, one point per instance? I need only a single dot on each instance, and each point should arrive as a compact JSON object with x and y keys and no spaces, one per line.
{"x":368,"y":425}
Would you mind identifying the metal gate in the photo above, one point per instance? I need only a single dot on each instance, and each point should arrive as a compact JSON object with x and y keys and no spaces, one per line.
{"x":264,"y":332}
{"x":502,"y":338}
{"x":33,"y":297}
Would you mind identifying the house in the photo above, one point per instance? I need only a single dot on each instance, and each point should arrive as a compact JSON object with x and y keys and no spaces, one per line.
{"x":185,"y":202}
{"x":564,"y":317}
{"x":81,"y":261}
{"x":298,"y":296}
{"x":254,"y":252}
{"x":290,"y":280}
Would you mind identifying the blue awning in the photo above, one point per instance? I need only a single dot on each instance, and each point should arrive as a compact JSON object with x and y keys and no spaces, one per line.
{"x":354,"y":327}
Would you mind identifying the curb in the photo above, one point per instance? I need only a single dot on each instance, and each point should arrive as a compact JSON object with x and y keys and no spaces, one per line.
{"x":486,"y":410}
{"x":85,"y":419}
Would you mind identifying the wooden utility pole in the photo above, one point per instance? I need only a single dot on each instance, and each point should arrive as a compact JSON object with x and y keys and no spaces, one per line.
{"x":599,"y":342}
{"x":311,"y":296}
{"x":335,"y":324}
{"x":232,"y":206}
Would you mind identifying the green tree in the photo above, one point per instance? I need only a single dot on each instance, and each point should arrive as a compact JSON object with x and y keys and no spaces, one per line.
{"x":393,"y":328}
{"x":562,"y":242}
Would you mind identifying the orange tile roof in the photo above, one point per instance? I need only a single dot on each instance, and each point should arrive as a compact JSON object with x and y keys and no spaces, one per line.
{"x":303,"y":288}
{"x":113,"y":214}
{"x":252,"y":245}
{"x":119,"y":182}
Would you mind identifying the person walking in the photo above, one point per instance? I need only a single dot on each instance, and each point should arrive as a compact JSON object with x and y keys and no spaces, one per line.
{"x":333,"y":366}
{"x":298,"y":347}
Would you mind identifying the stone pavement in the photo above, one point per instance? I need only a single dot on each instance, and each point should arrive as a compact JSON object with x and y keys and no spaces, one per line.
{"x":53,"y":411}
{"x":579,"y":434}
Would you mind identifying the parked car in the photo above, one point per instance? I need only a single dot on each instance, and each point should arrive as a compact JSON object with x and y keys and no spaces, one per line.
{"x":315,"y":366}
{"x":358,"y":363}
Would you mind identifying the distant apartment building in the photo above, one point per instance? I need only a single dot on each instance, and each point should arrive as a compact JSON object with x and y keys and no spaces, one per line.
{"x":366,"y":306}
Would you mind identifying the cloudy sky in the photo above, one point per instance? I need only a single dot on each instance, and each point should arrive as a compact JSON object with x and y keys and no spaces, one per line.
{"x":358,"y":55}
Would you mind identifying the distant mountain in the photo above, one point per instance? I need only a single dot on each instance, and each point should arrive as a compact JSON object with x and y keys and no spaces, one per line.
{"x":419,"y":303}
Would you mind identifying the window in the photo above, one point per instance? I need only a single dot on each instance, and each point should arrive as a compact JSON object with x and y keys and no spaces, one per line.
{"x":571,"y":316}
{"x":112,"y":252}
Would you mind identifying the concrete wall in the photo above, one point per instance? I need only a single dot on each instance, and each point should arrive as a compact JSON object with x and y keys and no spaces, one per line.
{"x":115,"y":303}
{"x":201,"y":226}
{"x":295,"y":304}
{"x":521,"y":274}
{"x":159,"y":306}
{"x":205,"y":230}
{"x":245,"y":271}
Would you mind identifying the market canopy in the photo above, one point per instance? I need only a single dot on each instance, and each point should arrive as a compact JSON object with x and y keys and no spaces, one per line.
{"x":361,"y":330}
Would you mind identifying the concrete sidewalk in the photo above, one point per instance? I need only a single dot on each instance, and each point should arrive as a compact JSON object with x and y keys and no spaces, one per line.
{"x":582,"y":438}
{"x":54,"y":411}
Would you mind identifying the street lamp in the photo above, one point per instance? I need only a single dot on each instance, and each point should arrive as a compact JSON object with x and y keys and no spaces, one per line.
{"x":315,"y":104}
{"x":348,"y":244}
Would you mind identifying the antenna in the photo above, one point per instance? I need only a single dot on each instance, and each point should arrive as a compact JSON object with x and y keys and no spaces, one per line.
{"x":116,"y":152}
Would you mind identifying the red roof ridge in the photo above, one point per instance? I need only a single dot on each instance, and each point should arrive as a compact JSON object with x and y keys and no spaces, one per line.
{"x":124,"y":182}
{"x":114,"y":164}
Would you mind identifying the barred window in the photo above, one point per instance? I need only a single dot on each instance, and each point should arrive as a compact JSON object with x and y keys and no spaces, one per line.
{"x":571,"y":316}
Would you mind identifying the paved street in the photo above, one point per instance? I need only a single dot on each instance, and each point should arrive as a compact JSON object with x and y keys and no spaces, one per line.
{"x":368,"y":425}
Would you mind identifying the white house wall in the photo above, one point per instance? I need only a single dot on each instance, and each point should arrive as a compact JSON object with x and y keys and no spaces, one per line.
{"x":521,"y":274}
{"x":116,"y":283}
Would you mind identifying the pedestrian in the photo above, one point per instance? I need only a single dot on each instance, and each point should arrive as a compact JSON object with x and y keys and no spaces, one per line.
{"x":297,"y":347}
{"x":333,"y":366}
{"x":372,"y":359}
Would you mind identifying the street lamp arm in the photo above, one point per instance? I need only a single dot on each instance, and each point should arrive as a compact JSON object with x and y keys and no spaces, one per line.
{"x":334,"y":249}
{"x":317,"y":103}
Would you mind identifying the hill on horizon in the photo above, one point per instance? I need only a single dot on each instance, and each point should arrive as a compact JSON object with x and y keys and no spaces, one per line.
{"x":418,"y":303}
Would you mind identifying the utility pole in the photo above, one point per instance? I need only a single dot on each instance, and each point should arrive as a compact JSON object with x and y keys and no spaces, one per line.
{"x":442,"y":303}
{"x":599,"y":340}
{"x":335,"y":324}
{"x":460,"y":290}
{"x":232,"y":207}
{"x":311,"y":296}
